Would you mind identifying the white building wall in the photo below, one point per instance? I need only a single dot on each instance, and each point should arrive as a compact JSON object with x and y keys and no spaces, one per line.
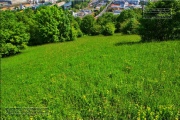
{"x":30,"y":1}
{"x":19,"y":1}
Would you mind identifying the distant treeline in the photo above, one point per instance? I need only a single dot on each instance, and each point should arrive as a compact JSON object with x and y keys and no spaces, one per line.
{"x":49,"y":24}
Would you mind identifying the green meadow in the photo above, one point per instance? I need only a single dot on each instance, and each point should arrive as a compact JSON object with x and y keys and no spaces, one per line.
{"x":94,"y":78}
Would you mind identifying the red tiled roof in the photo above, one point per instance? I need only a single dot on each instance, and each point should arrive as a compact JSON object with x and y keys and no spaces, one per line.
{"x":114,"y":5}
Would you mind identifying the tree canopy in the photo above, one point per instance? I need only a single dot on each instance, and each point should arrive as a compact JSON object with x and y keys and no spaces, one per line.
{"x":13,"y":34}
{"x":161,"y":26}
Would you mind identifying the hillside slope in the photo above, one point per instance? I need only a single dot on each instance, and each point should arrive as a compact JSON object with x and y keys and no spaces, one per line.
{"x":95,"y":78}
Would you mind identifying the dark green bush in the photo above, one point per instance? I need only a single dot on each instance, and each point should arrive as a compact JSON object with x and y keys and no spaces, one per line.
{"x":79,"y":33}
{"x":157,"y":29}
{"x":87,"y":24}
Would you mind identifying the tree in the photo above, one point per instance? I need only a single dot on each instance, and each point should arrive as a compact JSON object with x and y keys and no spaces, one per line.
{"x":77,"y":28}
{"x":27,"y":16}
{"x":13,"y":34}
{"x":108,"y":29}
{"x":125,"y":16}
{"x":64,"y":26}
{"x":96,"y":29}
{"x":53,"y":25}
{"x":159,"y":29}
{"x":77,"y":6}
{"x":48,"y":21}
{"x":106,"y":18}
{"x":78,"y":20}
{"x":130,"y":26}
{"x":87,"y":24}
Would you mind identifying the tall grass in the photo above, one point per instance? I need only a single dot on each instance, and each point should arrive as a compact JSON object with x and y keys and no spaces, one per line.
{"x":114,"y":77}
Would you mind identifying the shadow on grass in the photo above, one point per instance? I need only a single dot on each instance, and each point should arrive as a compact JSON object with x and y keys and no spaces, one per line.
{"x":7,"y":56}
{"x":128,"y":43}
{"x":141,"y":42}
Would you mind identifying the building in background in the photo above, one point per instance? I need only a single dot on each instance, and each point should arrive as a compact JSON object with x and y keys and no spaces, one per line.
{"x":5,"y":2}
{"x":16,"y":2}
{"x":135,"y":2}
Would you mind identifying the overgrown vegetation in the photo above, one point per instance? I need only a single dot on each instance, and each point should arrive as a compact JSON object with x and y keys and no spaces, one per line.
{"x":94,"y":77}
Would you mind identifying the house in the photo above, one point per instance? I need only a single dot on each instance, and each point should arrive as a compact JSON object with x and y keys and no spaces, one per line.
{"x":67,"y":5}
{"x":80,"y":14}
{"x":18,"y":2}
{"x":122,"y":5}
{"x":97,"y":7}
{"x":144,"y":2}
{"x":94,"y":4}
{"x":106,"y":1}
{"x":60,"y":4}
{"x":41,"y":1}
{"x":137,"y":6}
{"x":126,"y":4}
{"x":115,"y":7}
{"x":118,"y":2}
{"x":127,"y":7}
{"x":102,"y":4}
{"x":74,"y":14}
{"x":117,"y":12}
{"x":5,"y":2}
{"x":86,"y":11}
{"x":135,"y":2}
{"x":131,"y":5}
